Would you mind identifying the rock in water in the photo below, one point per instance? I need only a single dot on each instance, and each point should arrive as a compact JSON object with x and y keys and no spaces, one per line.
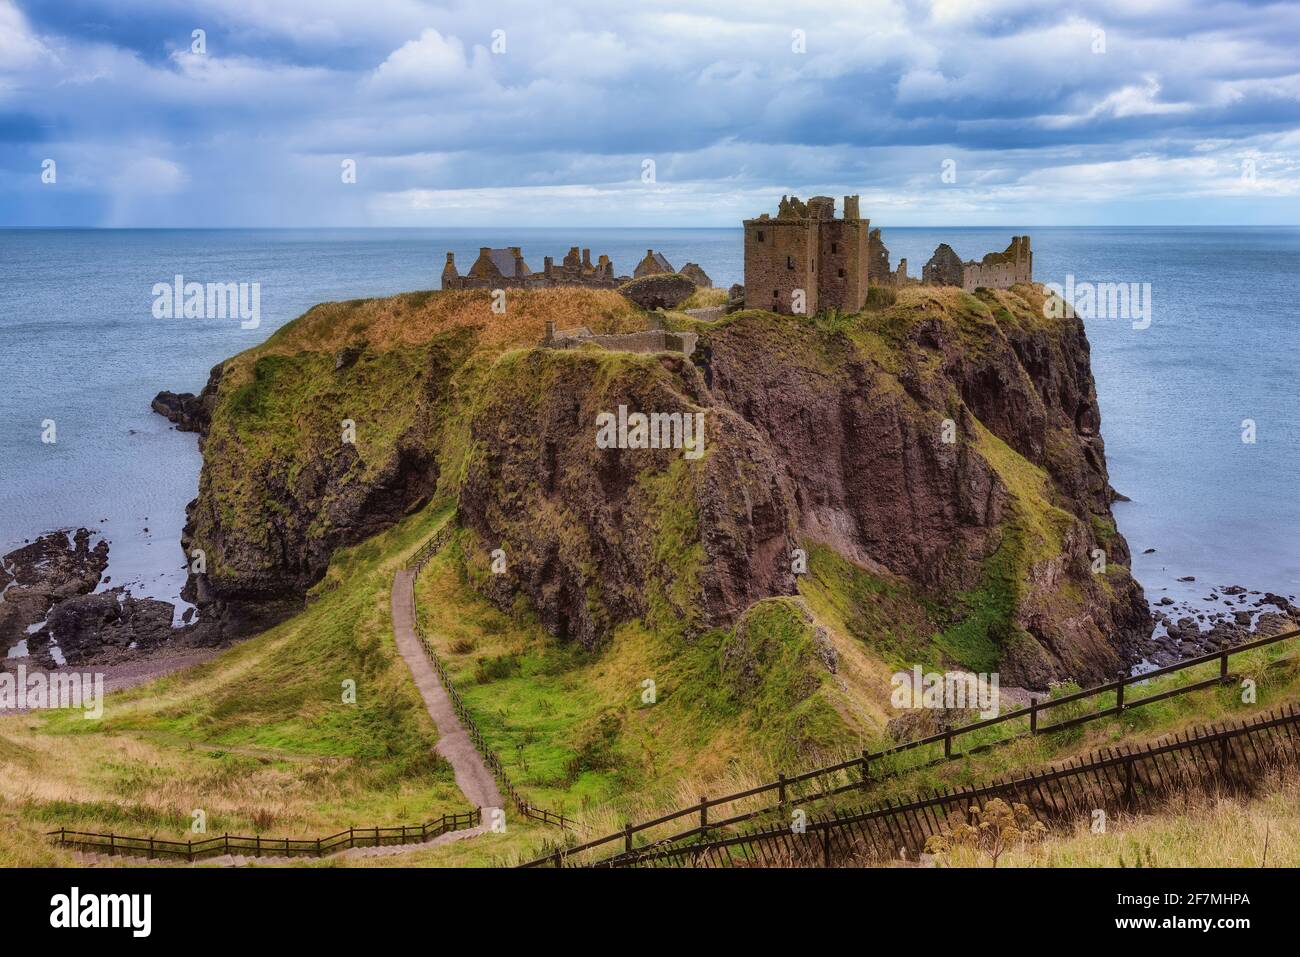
{"x":104,"y":627}
{"x":52,"y":569}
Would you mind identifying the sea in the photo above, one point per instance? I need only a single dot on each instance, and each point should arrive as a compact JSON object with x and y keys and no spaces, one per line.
{"x":1200,"y":396}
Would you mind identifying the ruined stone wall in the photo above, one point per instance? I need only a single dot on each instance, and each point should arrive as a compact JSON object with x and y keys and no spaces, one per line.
{"x":576,"y":269}
{"x":535,"y":281}
{"x":780,"y":257}
{"x":845,"y":264}
{"x":879,"y":271}
{"x":651,"y":340}
{"x":1001,"y":270}
{"x":944,"y":268}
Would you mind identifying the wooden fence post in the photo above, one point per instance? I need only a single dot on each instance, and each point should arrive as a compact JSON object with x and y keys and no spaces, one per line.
{"x":947,"y":741}
{"x":780,"y":788}
{"x":627,"y":838}
{"x":1223,"y":668}
{"x":866,"y":768}
{"x":1119,"y":696}
{"x":1033,"y":715}
{"x":704,"y":812}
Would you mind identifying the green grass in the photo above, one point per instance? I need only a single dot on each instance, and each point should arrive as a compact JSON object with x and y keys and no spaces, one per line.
{"x":258,"y":737}
{"x":571,"y":725}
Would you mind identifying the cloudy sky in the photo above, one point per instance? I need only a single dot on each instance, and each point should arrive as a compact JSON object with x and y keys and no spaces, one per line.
{"x":478,"y":113}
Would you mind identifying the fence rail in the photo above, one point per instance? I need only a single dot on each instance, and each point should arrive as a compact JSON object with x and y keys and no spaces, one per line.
{"x":1127,"y":778}
{"x":862,"y":765}
{"x":258,"y":846}
{"x":521,"y":803}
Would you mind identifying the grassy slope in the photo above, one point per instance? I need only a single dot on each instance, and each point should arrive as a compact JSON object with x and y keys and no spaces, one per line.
{"x":258,"y":737}
{"x":570,"y":725}
{"x":1203,"y":830}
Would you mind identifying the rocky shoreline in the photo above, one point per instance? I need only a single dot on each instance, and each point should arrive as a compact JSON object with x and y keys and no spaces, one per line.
{"x":56,"y":613}
{"x":1225,"y":617}
{"x":53,"y":615}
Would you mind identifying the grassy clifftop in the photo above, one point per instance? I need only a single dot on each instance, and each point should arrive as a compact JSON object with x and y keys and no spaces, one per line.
{"x":945,"y":444}
{"x":936,"y":460}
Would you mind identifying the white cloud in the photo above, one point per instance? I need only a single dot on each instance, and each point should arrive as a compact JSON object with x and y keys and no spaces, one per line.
{"x":712,"y":91}
{"x":429,"y":64}
{"x":20,"y":49}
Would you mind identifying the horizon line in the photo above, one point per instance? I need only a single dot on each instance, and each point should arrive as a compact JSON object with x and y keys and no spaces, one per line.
{"x":4,"y":228}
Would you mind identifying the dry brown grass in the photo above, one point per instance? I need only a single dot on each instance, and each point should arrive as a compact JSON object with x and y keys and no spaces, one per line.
{"x":413,"y":318}
{"x":1201,"y":829}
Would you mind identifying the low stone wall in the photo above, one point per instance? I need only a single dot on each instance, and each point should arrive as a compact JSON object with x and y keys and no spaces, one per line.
{"x":651,"y":340}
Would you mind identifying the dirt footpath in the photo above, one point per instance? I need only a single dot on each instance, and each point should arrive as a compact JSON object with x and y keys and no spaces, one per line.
{"x":472,"y":775}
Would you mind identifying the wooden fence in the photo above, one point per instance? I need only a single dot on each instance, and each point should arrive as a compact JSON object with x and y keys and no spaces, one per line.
{"x":857,"y":772}
{"x":519,"y":800}
{"x":1229,"y":757}
{"x":258,"y":846}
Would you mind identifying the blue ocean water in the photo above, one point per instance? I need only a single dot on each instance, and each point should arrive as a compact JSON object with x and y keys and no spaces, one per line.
{"x":81,"y":347}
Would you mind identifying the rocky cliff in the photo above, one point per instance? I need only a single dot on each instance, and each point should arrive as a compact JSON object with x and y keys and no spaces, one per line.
{"x":946,"y":444}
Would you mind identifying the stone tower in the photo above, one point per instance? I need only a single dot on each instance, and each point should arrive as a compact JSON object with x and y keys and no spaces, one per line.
{"x":806,"y":252}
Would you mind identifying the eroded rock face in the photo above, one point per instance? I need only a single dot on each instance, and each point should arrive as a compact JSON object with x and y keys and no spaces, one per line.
{"x":594,"y":536}
{"x":862,"y":448}
{"x":287,"y":480}
{"x":187,"y":411}
{"x":946,"y":445}
{"x":811,"y":439}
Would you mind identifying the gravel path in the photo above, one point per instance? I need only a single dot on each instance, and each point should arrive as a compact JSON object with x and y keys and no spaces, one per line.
{"x":472,"y":775}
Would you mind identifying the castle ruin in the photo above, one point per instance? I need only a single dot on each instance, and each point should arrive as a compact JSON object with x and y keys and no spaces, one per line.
{"x":806,"y":260}
{"x":505,"y":268}
{"x":1001,"y":270}
{"x":653,"y":264}
{"x":802,"y":261}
